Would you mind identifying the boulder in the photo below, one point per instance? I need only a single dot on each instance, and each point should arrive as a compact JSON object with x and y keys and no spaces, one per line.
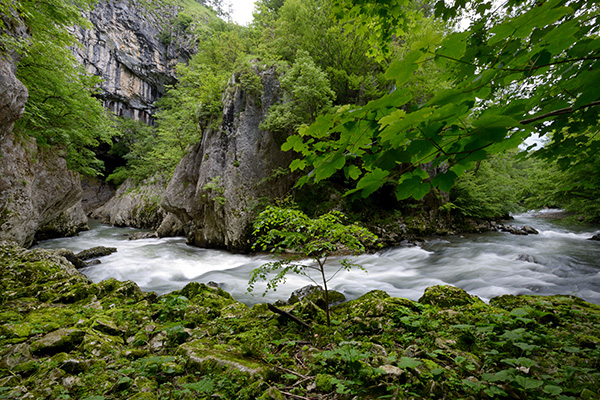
{"x":72,"y":258}
{"x":315,"y":294}
{"x":60,"y":340}
{"x":595,"y":237}
{"x":220,"y":182}
{"x":95,"y":252}
{"x":445,"y":296}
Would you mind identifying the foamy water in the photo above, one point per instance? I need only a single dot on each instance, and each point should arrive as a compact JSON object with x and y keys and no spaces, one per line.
{"x":560,"y":260}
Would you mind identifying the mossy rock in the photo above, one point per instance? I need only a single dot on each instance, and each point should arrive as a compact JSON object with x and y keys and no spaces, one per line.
{"x":445,"y":296}
{"x":58,"y":341}
{"x":316,"y":294}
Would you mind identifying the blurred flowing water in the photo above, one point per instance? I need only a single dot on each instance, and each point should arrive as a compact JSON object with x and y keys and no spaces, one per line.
{"x":560,"y":260}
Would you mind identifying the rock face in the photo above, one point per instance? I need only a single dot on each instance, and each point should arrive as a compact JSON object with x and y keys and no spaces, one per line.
{"x":124,"y":48}
{"x":35,"y":185}
{"x":218,"y":185}
{"x":136,"y":205}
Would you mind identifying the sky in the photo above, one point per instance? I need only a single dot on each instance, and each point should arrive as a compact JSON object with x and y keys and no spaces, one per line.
{"x":242,"y":10}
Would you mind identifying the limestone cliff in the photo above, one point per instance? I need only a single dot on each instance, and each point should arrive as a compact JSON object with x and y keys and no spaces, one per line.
{"x":123,"y":46}
{"x":36,"y":188}
{"x":218,"y":185}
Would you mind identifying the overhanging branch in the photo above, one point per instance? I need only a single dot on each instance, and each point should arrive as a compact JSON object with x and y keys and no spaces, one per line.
{"x":562,"y":111}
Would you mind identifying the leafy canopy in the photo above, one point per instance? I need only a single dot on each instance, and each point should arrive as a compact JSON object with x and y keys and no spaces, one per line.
{"x":526,"y":68}
{"x":287,"y":230}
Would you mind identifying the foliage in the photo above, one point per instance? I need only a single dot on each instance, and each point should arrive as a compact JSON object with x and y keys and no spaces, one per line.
{"x":61,"y":110}
{"x":542,"y":57}
{"x":306,"y":93}
{"x":285,"y":28}
{"x":492,"y":189}
{"x":198,"y":342}
{"x":282,"y":230}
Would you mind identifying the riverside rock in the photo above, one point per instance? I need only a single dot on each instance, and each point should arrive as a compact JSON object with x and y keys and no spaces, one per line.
{"x":135,"y":204}
{"x":219,"y":183}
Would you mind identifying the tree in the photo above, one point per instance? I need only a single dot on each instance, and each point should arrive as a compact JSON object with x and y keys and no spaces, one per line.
{"x":62,"y":110}
{"x":285,"y":230}
{"x":306,"y":94}
{"x":528,"y":67}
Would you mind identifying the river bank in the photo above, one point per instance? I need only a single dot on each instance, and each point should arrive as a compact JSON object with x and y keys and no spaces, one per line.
{"x":65,"y":337}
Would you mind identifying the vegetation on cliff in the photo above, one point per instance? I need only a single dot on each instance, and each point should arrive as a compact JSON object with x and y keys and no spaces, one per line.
{"x":64,"y":337}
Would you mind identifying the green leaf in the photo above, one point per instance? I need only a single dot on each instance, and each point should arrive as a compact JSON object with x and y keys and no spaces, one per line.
{"x":372,"y":181}
{"x":454,"y":45}
{"x":352,"y":172}
{"x":528,"y":383}
{"x":408,"y":362}
{"x":444,"y":181}
{"x":552,"y":389}
{"x":402,"y":70}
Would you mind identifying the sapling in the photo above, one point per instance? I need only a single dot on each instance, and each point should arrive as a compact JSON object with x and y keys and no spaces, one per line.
{"x":292,"y":238}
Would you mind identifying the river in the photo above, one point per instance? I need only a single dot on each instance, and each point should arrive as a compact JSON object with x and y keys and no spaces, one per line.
{"x":560,"y":260}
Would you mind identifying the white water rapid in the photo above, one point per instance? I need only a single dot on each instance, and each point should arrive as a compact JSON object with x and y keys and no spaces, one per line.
{"x":560,"y":260}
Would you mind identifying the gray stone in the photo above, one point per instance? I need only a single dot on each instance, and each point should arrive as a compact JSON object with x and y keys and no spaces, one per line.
{"x":135,"y":204}
{"x":61,"y":340}
{"x":72,"y":258}
{"x":219,"y":183}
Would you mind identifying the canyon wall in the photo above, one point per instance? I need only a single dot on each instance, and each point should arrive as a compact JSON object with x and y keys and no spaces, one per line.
{"x":218,"y":186}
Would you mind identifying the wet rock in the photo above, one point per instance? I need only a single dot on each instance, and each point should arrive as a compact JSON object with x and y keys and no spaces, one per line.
{"x":72,"y":258}
{"x":94,"y":252}
{"x":203,"y":358}
{"x":60,"y":340}
{"x":142,"y":235}
{"x":68,"y":223}
{"x":170,"y":226}
{"x":136,"y":204}
{"x":525,"y":230}
{"x":92,"y":262}
{"x":595,"y":237}
{"x":529,"y":230}
{"x":108,"y":327}
{"x":96,"y":193}
{"x":527,"y":258}
{"x":446,"y":296}
{"x":316,"y":295}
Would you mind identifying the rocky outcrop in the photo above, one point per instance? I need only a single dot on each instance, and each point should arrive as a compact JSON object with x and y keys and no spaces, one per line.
{"x":124,"y":48}
{"x":68,"y":223}
{"x":35,"y":185}
{"x":218,"y":185}
{"x":96,"y":193}
{"x":135,"y":205}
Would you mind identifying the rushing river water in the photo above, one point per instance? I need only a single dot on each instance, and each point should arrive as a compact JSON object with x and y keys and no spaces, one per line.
{"x":557,"y":261}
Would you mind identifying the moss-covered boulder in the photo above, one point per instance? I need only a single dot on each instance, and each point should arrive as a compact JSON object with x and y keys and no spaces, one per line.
{"x":446,"y":296}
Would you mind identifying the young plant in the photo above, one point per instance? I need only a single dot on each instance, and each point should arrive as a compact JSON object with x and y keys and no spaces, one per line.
{"x":290,"y":231}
